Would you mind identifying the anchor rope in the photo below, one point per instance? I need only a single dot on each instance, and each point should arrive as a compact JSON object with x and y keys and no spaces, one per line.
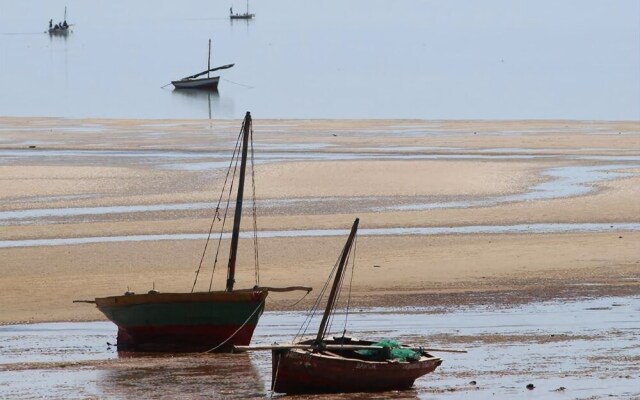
{"x":234,"y":333}
{"x":236,"y":83}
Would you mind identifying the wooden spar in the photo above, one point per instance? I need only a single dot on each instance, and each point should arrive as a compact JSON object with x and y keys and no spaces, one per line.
{"x":210,"y":70}
{"x":285,"y":289}
{"x":334,"y":347}
{"x":209,"y":63}
{"x":305,"y":346}
{"x":336,"y":282}
{"x":231,"y":269}
{"x":437,"y":350}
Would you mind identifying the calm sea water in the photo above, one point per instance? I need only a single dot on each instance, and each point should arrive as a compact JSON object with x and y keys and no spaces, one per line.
{"x":453,"y":59}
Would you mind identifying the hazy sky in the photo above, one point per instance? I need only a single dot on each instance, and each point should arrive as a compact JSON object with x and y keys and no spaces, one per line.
{"x":453,"y":59}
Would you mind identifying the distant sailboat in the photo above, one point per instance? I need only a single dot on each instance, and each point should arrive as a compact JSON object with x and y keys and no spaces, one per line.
{"x":245,"y":15}
{"x":210,"y":82}
{"x":61,"y":28}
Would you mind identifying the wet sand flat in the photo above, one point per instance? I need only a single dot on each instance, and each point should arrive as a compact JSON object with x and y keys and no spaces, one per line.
{"x":82,"y":179}
{"x":582,"y":349}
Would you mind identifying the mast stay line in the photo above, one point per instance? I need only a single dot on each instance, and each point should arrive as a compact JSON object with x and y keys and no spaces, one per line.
{"x":235,"y":235}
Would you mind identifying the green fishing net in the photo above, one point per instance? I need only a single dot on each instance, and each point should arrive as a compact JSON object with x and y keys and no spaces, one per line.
{"x":390,"y":350}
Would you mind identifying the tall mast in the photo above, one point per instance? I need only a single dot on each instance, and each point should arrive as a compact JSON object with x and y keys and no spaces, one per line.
{"x":209,"y":59}
{"x":231,"y":269}
{"x":336,"y":282}
{"x":65,"y":13}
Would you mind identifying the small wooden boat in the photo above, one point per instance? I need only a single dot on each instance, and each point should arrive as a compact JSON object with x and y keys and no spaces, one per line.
{"x":208,"y":83}
{"x":197,"y":321}
{"x":245,"y":15}
{"x":62,"y":28}
{"x":57,"y":30}
{"x":342,"y":364}
{"x":338,"y":366}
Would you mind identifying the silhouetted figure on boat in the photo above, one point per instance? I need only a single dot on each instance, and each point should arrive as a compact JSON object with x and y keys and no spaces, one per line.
{"x":62,"y":27}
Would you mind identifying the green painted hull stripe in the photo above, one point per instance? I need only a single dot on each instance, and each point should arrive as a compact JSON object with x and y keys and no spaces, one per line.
{"x":232,"y":313}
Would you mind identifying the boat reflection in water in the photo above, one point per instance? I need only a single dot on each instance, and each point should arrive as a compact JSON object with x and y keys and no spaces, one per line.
{"x":178,"y":376}
{"x":198,"y":96}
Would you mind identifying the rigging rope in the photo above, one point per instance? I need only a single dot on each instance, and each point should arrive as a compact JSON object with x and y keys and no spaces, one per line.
{"x":312,"y":311}
{"x":314,"y":308}
{"x":224,"y":221}
{"x":216,"y":215}
{"x":255,"y":214}
{"x":299,"y":300}
{"x":353,"y":268}
{"x":338,"y":294}
{"x":235,"y":167}
{"x":235,"y":160}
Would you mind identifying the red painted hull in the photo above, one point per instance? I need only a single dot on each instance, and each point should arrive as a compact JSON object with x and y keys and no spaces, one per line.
{"x":184,"y":338}
{"x":302,"y":371}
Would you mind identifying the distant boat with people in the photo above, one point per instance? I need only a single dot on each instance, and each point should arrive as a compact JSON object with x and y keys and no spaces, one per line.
{"x":245,"y":15}
{"x":61,"y":28}
{"x":208,"y":83}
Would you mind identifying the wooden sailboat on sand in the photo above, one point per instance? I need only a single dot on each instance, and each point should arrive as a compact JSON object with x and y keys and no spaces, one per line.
{"x":343,"y":364}
{"x":196,"y":321}
{"x":194,"y":82}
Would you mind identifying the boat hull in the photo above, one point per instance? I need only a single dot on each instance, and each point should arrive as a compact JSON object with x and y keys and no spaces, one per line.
{"x":59,"y":31}
{"x":184,"y":321}
{"x":242,"y":16}
{"x":204,"y":83}
{"x":302,"y":371}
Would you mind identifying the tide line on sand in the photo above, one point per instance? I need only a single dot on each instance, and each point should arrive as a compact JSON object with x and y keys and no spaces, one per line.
{"x":414,"y":231}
